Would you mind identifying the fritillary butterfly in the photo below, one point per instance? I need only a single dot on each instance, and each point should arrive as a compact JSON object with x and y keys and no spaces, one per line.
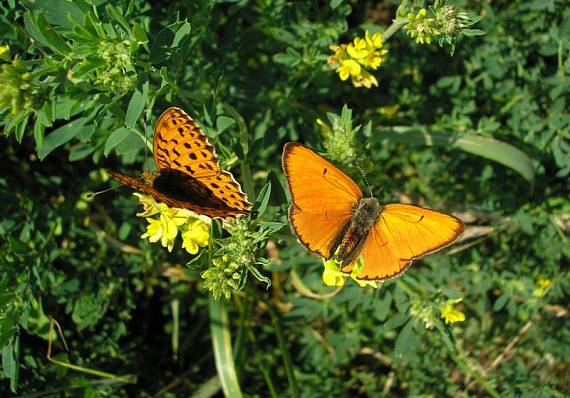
{"x":189,"y":174}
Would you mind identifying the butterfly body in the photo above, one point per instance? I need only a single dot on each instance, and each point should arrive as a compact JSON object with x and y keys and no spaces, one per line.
{"x":330,"y":217}
{"x":189,"y":175}
{"x":364,"y":217}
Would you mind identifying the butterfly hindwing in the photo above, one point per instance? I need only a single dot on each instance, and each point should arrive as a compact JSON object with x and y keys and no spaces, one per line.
{"x":404,"y":233}
{"x":322,"y":197}
{"x":169,"y":200}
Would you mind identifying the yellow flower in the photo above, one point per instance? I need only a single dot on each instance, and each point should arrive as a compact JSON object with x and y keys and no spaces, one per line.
{"x":450,"y":314}
{"x":368,"y":51}
{"x":348,"y":68}
{"x":170,"y":221}
{"x":542,"y":285}
{"x":375,"y":41}
{"x":358,"y":49}
{"x":150,"y":206}
{"x":339,"y":53}
{"x":420,"y":28}
{"x":333,"y":276}
{"x":196,"y":235}
{"x":164,"y":229}
{"x":353,"y":59}
{"x":5,"y":53}
{"x":365,"y":79}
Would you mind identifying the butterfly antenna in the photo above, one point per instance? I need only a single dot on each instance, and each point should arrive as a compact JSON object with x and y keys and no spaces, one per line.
{"x":91,"y":195}
{"x":364,"y":177}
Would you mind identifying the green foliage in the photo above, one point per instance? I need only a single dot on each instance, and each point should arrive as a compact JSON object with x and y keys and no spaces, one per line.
{"x":484,"y":134}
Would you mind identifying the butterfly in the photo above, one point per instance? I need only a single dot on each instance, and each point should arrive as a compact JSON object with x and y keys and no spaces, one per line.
{"x":189,"y":174}
{"x":332,"y":218}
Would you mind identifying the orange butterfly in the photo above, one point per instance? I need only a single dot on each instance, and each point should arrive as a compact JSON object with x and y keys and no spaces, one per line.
{"x":189,"y":174}
{"x":331,"y":217}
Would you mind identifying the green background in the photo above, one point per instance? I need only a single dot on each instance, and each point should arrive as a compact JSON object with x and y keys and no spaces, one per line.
{"x":483,"y":134}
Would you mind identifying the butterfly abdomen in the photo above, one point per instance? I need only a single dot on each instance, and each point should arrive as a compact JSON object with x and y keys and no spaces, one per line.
{"x":365,"y":215}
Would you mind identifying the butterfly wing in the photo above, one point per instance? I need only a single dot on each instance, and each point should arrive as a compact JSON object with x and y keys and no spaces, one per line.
{"x":181,"y":145}
{"x":322,"y":198}
{"x":402,"y":234}
{"x":169,"y":200}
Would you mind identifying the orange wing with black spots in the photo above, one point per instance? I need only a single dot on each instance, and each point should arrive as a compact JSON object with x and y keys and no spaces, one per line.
{"x":189,"y":173}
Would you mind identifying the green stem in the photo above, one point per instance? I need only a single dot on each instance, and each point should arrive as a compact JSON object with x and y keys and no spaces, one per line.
{"x":268,"y":381}
{"x":247,"y":180}
{"x":175,"y":307}
{"x":285,"y":351}
{"x":396,"y":25}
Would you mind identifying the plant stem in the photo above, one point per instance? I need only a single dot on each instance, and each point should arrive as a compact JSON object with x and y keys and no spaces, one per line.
{"x":396,"y":25}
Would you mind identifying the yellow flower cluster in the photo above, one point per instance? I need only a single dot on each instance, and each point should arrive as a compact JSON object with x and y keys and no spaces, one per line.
{"x":354,"y":60}
{"x":333,"y":276}
{"x":194,"y":229}
{"x":420,"y":28}
{"x":5,"y":53}
{"x":450,"y":314}
{"x":542,"y":285}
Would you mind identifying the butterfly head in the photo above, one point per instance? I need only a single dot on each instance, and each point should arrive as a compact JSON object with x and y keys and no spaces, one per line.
{"x":149,"y":177}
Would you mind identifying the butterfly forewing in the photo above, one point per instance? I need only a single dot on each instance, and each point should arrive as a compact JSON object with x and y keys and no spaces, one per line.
{"x":322,"y":197}
{"x":179,"y":143}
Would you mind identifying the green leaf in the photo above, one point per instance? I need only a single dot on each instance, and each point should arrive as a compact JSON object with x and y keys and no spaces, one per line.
{"x":472,"y":32}
{"x":136,"y":106}
{"x":59,"y":12}
{"x":406,"y":342}
{"x":259,"y":276}
{"x":21,"y":129}
{"x":183,"y":31}
{"x":115,"y":138}
{"x":167,"y":40}
{"x":224,"y":122}
{"x":60,"y":136}
{"x":485,"y":147}
{"x":39,"y":132}
{"x":500,"y":303}
{"x":261,"y":202}
{"x":117,"y":15}
{"x":291,"y":58}
{"x":81,"y":151}
{"x":222,"y":345}
{"x":216,"y":230}
{"x":396,"y":321}
{"x":131,"y":143}
{"x":11,"y":362}
{"x":38,"y":27}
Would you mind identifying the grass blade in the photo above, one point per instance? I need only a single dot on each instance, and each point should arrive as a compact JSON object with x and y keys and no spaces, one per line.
{"x":486,"y":147}
{"x":222,"y":342}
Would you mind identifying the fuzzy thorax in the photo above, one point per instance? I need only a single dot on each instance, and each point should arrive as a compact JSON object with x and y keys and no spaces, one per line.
{"x":365,"y":215}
